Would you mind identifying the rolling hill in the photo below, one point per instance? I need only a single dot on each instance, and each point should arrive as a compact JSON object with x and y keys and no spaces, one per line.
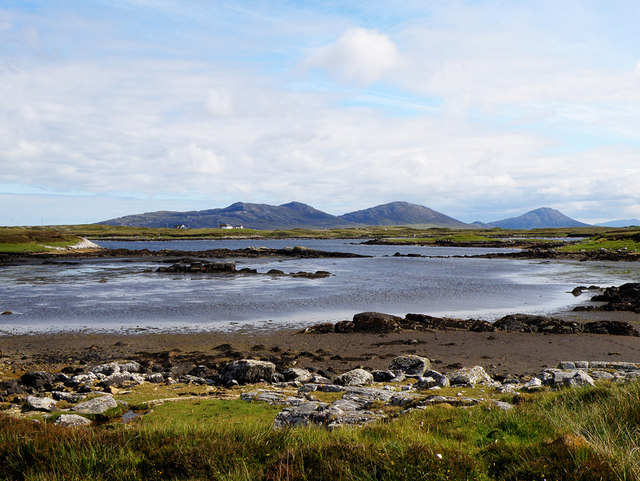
{"x":402,"y":213}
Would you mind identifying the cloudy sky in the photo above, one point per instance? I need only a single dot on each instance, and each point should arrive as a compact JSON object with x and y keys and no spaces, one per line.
{"x":478,"y":109}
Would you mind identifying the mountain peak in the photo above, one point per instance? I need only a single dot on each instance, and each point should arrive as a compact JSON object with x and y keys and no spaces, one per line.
{"x":543,"y":217}
{"x":402,"y":213}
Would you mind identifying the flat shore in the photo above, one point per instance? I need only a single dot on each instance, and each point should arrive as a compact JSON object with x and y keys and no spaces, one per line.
{"x":499,"y":352}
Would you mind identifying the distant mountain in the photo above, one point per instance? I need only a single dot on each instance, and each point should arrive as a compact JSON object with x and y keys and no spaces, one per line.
{"x":290,"y":216}
{"x":402,"y":213}
{"x":620,"y":223}
{"x":253,"y":216}
{"x":481,"y":225}
{"x":544,"y":217}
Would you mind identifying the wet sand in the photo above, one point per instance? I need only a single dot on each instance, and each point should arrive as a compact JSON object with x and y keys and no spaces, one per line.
{"x":498,"y":352}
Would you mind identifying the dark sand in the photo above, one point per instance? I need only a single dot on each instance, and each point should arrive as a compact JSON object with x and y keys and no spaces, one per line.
{"x":498,"y":352}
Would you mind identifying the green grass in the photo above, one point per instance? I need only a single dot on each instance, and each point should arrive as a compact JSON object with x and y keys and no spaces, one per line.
{"x":575,"y":434}
{"x":24,"y":239}
{"x":629,"y":241}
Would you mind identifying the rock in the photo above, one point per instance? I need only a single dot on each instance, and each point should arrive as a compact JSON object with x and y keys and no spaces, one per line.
{"x":107,"y":369}
{"x":297,"y":374}
{"x":155,"y":377}
{"x":248,"y":371}
{"x":81,"y":379}
{"x":39,"y":380}
{"x":322,"y":328}
{"x":131,"y":366}
{"x":382,"y":376}
{"x":623,"y":298}
{"x":375,"y":322}
{"x":616,"y":328}
{"x":503,"y":406}
{"x":344,"y":327}
{"x":411,"y":366}
{"x":12,"y":386}
{"x":568,"y":378}
{"x":71,"y":420}
{"x":355,"y":377}
{"x":121,"y":379}
{"x":303,"y":415}
{"x":200,"y":371}
{"x":470,"y":376}
{"x":41,"y":404}
{"x":274,"y":398}
{"x":96,"y":406}
{"x":431,"y":379}
{"x":531,"y":323}
{"x":68,"y":396}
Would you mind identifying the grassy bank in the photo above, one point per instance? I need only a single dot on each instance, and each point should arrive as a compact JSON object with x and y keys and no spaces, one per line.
{"x":585,"y":434}
{"x":26,"y":239}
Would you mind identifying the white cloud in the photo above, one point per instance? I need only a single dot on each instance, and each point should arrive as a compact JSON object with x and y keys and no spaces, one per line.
{"x":220,"y":103}
{"x":359,"y":56}
{"x":194,"y":160}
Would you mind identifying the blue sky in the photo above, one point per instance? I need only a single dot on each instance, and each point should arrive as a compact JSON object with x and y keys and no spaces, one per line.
{"x":480,"y":110}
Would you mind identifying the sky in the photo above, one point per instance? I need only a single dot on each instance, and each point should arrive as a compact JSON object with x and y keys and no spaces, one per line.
{"x":481,"y":110}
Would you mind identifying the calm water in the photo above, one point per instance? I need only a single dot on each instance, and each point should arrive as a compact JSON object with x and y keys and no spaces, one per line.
{"x":123,"y":295}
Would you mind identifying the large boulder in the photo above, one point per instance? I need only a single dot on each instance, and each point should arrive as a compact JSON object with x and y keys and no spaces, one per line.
{"x":355,"y":377}
{"x":532,"y":323}
{"x":248,"y":371}
{"x":41,"y":404}
{"x":38,"y":380}
{"x":410,"y":365}
{"x":617,"y":328}
{"x":96,"y":406}
{"x":71,"y":420}
{"x":470,"y":376}
{"x":375,"y":322}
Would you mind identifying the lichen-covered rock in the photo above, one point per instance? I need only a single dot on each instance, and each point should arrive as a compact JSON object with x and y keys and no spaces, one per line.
{"x":412,"y":366}
{"x":71,"y":420}
{"x":248,"y":371}
{"x":96,"y":406}
{"x":41,"y":404}
{"x":470,"y":376}
{"x":355,"y":377}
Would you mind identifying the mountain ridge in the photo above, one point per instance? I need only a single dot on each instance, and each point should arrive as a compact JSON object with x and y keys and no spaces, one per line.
{"x":289,"y":216}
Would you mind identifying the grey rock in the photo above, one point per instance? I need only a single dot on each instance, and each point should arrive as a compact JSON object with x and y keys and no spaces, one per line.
{"x":122,"y":379}
{"x":411,"y":366}
{"x":441,"y":379}
{"x":303,"y":415}
{"x":131,"y":366}
{"x":566,"y":365}
{"x":41,"y":404}
{"x":273,"y":397}
{"x":355,"y":377}
{"x":71,"y":420}
{"x":96,"y":406}
{"x":297,"y":374}
{"x":598,"y":375}
{"x":155,"y":377}
{"x":248,"y":371}
{"x":107,"y":369}
{"x":425,"y":383}
{"x":470,"y":376}
{"x":503,"y":406}
{"x":80,"y":379}
{"x":382,"y":376}
{"x":68,"y":396}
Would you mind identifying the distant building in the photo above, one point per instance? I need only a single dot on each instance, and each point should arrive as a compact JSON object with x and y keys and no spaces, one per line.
{"x":229,"y":226}
{"x":179,"y":226}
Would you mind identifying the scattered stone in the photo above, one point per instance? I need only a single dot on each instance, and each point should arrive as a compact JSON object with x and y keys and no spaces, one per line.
{"x":67,"y":396}
{"x":71,"y":420}
{"x":297,"y":374}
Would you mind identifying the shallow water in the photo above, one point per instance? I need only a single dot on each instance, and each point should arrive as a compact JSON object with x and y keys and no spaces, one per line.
{"x":123,"y":295}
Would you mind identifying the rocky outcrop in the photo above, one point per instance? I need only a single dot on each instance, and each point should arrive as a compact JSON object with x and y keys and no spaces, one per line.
{"x":375,"y":322}
{"x":187,"y":266}
{"x":531,"y":323}
{"x":623,"y":298}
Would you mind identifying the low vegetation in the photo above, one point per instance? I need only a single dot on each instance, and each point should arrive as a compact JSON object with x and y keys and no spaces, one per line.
{"x":27,"y":239}
{"x":40,"y":239}
{"x":573,"y":434}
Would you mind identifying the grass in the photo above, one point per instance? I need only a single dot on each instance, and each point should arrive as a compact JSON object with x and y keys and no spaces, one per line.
{"x":574,"y":434}
{"x":23,"y":239}
{"x":629,"y":241}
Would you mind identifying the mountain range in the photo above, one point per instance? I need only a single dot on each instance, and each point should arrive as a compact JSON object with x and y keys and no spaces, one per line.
{"x":298,"y":215}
